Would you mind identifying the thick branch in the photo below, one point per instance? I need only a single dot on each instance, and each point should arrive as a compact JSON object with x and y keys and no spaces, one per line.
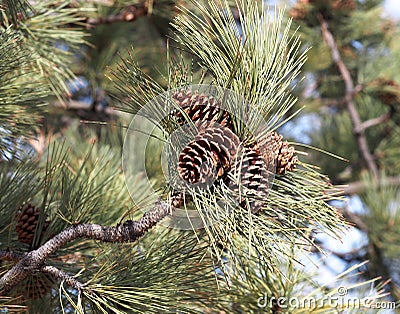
{"x":359,"y":132}
{"x":127,"y":232}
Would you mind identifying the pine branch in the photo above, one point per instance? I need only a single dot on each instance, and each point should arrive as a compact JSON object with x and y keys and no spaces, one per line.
{"x":372,"y":122}
{"x":358,"y":131}
{"x":15,"y":10}
{"x":354,"y":219}
{"x":61,"y":275}
{"x":129,"y":231}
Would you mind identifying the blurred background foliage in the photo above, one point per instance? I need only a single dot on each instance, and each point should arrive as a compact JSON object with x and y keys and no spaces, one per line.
{"x":367,"y":40}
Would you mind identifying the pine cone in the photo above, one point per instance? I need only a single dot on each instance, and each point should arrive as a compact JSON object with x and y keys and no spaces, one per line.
{"x":252,"y":172}
{"x":387,"y":91}
{"x":269,"y":146}
{"x":307,"y":10}
{"x":278,"y":152}
{"x":208,"y":156}
{"x":286,"y":159}
{"x":298,"y":12}
{"x":202,"y":110}
{"x":28,"y":217}
{"x":178,"y":199}
{"x":255,"y":165}
{"x":301,"y":9}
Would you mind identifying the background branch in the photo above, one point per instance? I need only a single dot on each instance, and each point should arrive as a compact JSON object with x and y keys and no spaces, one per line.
{"x":355,"y":219}
{"x":354,"y":255}
{"x":378,"y":120}
{"x":358,"y":130}
{"x":360,"y":186}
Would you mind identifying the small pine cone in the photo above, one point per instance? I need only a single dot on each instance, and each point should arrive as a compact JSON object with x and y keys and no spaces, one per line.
{"x":202,"y":110}
{"x":301,"y":9}
{"x":286,"y":160}
{"x":178,"y":199}
{"x":208,"y":156}
{"x":28,"y":217}
{"x":278,"y":152}
{"x":298,"y":12}
{"x":255,"y":165}
{"x":252,"y":172}
{"x":269,"y":147}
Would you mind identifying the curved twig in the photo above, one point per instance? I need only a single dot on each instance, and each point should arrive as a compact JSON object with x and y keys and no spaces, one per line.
{"x":61,"y":275}
{"x":127,"y":232}
{"x":375,"y":121}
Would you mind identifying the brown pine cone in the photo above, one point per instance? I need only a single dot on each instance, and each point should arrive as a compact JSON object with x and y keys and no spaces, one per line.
{"x":286,"y":159}
{"x":277,"y":152}
{"x":28,"y":218}
{"x":344,"y":5}
{"x":208,"y":156}
{"x":252,"y":172}
{"x":202,"y":110}
{"x":388,"y":91}
{"x":255,"y":166}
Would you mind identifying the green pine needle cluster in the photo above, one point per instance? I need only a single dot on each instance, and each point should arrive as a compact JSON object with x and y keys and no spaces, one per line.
{"x":257,"y":58}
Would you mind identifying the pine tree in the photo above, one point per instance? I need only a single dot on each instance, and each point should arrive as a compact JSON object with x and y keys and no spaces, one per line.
{"x":85,"y":230}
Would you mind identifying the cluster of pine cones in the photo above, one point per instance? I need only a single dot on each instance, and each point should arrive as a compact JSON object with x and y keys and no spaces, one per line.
{"x":216,"y":152}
